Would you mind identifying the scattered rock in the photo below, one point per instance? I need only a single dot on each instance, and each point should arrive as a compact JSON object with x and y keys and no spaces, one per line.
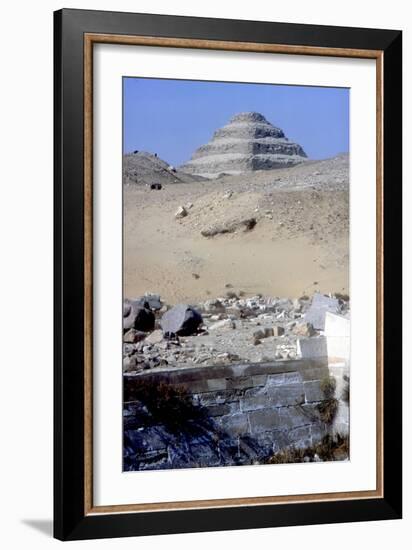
{"x":214,"y":306}
{"x":248,"y":224}
{"x":132,"y":336}
{"x":151,"y":301}
{"x":155,"y":337}
{"x":225,"y":324}
{"x":129,"y":363}
{"x":182,"y":320}
{"x":303,"y":329}
{"x":181,"y":212}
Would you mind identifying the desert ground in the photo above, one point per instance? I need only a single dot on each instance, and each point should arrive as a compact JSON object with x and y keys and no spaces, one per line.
{"x":297,"y":243}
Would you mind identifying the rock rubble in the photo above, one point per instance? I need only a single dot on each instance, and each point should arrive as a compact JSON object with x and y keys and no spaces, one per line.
{"x":223,"y":331}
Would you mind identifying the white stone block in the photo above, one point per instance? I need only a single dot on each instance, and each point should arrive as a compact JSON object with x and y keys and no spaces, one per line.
{"x":337,"y":333}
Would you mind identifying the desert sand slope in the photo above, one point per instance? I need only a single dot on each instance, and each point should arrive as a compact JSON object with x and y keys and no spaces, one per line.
{"x":144,"y":168}
{"x":298,"y":245}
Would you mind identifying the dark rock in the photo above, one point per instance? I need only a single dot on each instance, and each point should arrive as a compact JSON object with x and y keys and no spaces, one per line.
{"x":138,"y":317}
{"x":151,"y":301}
{"x":182,"y":320}
{"x":248,"y":224}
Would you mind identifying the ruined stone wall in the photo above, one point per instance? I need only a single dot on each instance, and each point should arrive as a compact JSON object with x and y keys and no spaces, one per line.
{"x":242,"y":414}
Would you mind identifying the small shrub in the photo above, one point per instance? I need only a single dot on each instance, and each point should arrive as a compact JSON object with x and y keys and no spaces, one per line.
{"x":328,"y":386}
{"x":342,"y":297}
{"x":329,"y":449}
{"x":327,"y":410}
{"x":346,"y":390}
{"x":168,"y":404}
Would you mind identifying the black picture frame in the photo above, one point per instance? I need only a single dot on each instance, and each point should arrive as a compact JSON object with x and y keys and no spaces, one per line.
{"x":70,"y":519}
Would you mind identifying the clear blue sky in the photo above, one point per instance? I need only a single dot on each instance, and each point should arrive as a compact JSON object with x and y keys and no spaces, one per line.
{"x":174,"y":117}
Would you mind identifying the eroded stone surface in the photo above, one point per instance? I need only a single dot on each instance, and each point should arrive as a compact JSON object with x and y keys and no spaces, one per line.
{"x":247,"y":143}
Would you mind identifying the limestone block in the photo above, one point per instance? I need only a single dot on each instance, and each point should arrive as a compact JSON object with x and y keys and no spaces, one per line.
{"x":313,"y":391}
{"x":337,"y":332}
{"x":265,"y":420}
{"x":311,"y":348}
{"x":235,"y":424}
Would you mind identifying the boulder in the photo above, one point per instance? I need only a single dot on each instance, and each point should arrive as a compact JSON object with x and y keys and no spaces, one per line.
{"x":155,"y":337}
{"x":151,"y":301}
{"x":182,"y":320}
{"x":137,"y":316}
{"x":223,"y":325}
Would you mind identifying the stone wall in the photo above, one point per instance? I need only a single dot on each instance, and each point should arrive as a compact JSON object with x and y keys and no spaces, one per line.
{"x":237,"y":414}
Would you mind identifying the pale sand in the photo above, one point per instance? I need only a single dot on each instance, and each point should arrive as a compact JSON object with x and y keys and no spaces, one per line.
{"x":276,"y":258}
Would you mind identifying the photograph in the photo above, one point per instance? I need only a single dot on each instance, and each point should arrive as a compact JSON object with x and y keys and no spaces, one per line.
{"x":236,"y":294}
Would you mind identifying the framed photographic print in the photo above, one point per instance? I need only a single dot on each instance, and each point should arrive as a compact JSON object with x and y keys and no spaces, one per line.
{"x":227,"y":274}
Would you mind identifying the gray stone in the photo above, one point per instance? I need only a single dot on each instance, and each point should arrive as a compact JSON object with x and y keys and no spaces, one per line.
{"x":247,"y":224}
{"x":155,"y":337}
{"x":235,"y":424}
{"x":265,"y":420}
{"x":313,"y":391}
{"x":258,"y":334}
{"x":312,"y":348}
{"x":151,"y":301}
{"x":182,"y":320}
{"x":129,"y":362}
{"x":132,"y":336}
{"x":285,"y":395}
{"x":293,"y":417}
{"x":181,"y":212}
{"x":138,"y":316}
{"x":318,"y":308}
{"x":214,"y":306}
{"x":303,"y":329}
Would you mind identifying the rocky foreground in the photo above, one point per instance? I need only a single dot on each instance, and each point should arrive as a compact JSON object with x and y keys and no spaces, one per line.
{"x":226,"y":330}
{"x":233,"y":381}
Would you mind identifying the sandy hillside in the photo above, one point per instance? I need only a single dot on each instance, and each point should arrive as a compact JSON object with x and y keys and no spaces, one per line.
{"x":298,"y":242}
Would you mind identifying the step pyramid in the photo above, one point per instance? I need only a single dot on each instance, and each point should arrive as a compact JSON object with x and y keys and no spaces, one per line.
{"x":247,"y":143}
